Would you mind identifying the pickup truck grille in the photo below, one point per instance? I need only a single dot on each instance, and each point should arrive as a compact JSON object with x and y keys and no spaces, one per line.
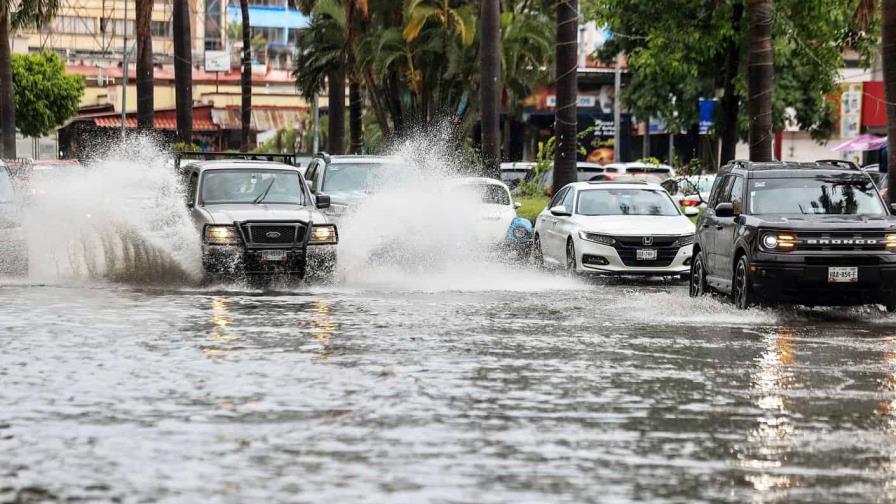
{"x":273,"y":234}
{"x":847,"y":241}
{"x":666,"y":249}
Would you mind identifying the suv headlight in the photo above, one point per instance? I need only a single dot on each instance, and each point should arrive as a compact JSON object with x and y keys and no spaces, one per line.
{"x":222,"y":235}
{"x":324,"y":234}
{"x":597,"y":238}
{"x":777,"y":242}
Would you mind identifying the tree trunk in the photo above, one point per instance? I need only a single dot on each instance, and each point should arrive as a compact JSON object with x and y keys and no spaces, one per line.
{"x":183,"y":71}
{"x":760,"y":77}
{"x":490,"y":86}
{"x":508,"y":129}
{"x":888,"y":53}
{"x":336,"y":119}
{"x":729,"y":105}
{"x":356,"y":124}
{"x":7,"y":96}
{"x":145,"y":77}
{"x":246,"y":80}
{"x":374,"y":93}
{"x":565,"y":116}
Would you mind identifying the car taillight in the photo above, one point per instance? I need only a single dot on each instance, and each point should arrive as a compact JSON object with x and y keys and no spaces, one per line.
{"x":689,"y":203}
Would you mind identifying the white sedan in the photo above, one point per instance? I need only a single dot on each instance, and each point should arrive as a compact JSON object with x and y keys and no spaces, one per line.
{"x":615,"y":228}
{"x":491,"y":215}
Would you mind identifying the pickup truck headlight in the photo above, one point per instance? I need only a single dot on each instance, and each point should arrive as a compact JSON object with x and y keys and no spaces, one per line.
{"x":890,"y":242}
{"x":777,"y":242}
{"x":222,"y":235}
{"x":324,"y":234}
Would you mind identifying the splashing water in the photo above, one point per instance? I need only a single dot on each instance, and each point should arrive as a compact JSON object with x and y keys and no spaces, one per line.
{"x":123,"y":220}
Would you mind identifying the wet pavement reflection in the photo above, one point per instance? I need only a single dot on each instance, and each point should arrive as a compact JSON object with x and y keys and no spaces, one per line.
{"x":553,"y":390}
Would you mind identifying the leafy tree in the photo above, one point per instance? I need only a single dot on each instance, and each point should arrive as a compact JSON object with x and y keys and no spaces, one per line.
{"x":14,"y":15}
{"x":46,"y":97}
{"x":683,"y":50}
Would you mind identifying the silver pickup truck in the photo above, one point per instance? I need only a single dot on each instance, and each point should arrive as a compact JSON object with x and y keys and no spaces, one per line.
{"x":258,"y":218}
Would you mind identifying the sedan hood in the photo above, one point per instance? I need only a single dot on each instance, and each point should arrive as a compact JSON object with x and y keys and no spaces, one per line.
{"x":228,"y":214}
{"x":637,"y":225}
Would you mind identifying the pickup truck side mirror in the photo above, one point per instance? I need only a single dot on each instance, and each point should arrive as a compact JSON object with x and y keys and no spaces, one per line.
{"x":322,"y":201}
{"x":724,"y":210}
{"x":893,"y":208}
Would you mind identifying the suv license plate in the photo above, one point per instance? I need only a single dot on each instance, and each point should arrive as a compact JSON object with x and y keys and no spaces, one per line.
{"x":273,"y":255}
{"x":843,"y":275}
{"x":645,"y":255}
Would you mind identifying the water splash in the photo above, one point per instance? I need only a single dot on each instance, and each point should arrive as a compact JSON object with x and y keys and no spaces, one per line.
{"x":123,"y":220}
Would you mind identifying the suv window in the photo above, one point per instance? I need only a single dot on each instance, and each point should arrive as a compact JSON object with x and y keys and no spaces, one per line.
{"x":724,"y":195}
{"x":737,"y":195}
{"x":716,"y":188}
{"x":191,"y":188}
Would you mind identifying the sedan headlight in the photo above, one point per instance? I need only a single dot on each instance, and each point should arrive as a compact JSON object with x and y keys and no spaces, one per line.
{"x":684,"y":241}
{"x":324,"y":234}
{"x":777,"y":242}
{"x":222,"y":235}
{"x":597,"y":238}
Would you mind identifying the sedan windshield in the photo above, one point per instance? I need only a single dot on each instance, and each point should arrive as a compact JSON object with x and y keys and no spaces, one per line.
{"x":359,"y":177}
{"x":626,"y":202}
{"x":489,"y":194}
{"x":820,"y":196}
{"x":252,"y":186}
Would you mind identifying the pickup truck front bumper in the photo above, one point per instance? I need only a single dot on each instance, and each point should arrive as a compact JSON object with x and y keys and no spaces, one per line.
{"x":237,"y":259}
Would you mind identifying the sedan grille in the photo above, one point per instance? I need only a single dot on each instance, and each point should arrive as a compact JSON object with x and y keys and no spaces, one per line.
{"x":666,"y":247}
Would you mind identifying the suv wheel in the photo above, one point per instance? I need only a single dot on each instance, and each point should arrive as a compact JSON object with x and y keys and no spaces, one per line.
{"x":570,"y":256}
{"x":741,"y":293}
{"x":698,"y":277}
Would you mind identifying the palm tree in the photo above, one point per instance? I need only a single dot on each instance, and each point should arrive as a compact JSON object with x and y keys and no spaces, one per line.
{"x":888,"y":51}
{"x":183,"y":71}
{"x":567,"y":87}
{"x":490,"y":85}
{"x":356,"y":117}
{"x":760,"y":78}
{"x":245,"y":79}
{"x":145,"y":77}
{"x":16,"y":14}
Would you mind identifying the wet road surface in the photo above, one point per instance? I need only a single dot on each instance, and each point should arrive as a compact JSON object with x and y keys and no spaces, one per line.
{"x":529,"y":388}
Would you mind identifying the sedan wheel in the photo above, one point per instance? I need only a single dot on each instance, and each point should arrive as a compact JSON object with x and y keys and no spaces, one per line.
{"x":698,"y":278}
{"x":740,"y":289}
{"x":537,"y":254}
{"x":570,"y":256}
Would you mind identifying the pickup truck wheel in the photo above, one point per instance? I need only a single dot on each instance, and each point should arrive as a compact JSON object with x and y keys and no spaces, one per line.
{"x":697,"y":286}
{"x":741,"y":293}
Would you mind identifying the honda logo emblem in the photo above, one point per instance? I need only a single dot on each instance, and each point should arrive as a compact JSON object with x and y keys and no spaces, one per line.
{"x":647,"y":240}
{"x":272,"y":235}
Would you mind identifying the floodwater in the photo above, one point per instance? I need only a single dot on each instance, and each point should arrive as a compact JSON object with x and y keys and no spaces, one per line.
{"x":433,"y":375}
{"x":516,"y":387}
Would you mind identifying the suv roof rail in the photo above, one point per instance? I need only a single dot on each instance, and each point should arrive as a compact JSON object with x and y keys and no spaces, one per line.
{"x":289,"y":159}
{"x":842,"y":163}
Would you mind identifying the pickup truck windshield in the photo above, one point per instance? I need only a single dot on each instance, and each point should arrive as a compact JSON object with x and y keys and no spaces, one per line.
{"x":626,"y":202}
{"x":251,"y":186}
{"x":815,"y":196}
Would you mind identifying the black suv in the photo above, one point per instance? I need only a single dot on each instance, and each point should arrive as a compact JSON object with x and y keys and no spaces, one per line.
{"x":805,"y":233}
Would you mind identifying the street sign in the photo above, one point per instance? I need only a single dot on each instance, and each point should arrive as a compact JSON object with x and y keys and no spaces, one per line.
{"x":217,"y":61}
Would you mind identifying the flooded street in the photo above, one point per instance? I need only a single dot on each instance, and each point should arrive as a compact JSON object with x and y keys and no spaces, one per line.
{"x":514,"y":387}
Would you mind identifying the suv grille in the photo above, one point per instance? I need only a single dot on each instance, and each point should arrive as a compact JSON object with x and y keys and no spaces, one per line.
{"x":666,"y":249}
{"x":272,"y":234}
{"x":840,"y":241}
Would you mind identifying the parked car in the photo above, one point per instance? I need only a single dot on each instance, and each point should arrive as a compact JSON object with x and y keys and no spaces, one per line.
{"x":513,"y":173}
{"x":498,"y":223}
{"x":584,"y":172}
{"x":258,"y":218}
{"x":13,"y":249}
{"x":690,"y":191}
{"x":637,"y":168}
{"x":350,"y":179}
{"x":615,"y":228}
{"x":806,"y":233}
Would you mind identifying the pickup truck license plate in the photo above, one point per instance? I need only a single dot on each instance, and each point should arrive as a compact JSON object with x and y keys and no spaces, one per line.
{"x":273,"y":255}
{"x":843,"y":275}
{"x":645,"y":255}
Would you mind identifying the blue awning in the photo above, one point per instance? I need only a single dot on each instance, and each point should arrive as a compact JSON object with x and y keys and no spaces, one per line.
{"x":268,"y":17}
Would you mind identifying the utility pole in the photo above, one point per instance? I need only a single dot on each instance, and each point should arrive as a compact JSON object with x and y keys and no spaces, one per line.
{"x":124,"y":72}
{"x":617,"y":109}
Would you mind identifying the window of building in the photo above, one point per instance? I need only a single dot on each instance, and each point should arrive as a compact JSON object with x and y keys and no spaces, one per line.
{"x":161,"y":29}
{"x":74,"y":24}
{"x":111,"y":26}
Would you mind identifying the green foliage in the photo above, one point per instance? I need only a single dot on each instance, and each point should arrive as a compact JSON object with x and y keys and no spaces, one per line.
{"x":544,"y":161}
{"x":651,"y":161}
{"x":676,"y":50}
{"x":46,"y":97}
{"x":184,"y":147}
{"x":532,"y":205}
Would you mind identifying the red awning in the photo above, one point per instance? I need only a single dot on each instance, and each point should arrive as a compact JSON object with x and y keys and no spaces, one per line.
{"x":159,"y":122}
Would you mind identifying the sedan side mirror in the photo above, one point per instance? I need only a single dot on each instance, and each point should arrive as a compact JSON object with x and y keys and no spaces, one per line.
{"x":691,"y":211}
{"x":559,"y":211}
{"x":322,"y":201}
{"x":724,"y":210}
